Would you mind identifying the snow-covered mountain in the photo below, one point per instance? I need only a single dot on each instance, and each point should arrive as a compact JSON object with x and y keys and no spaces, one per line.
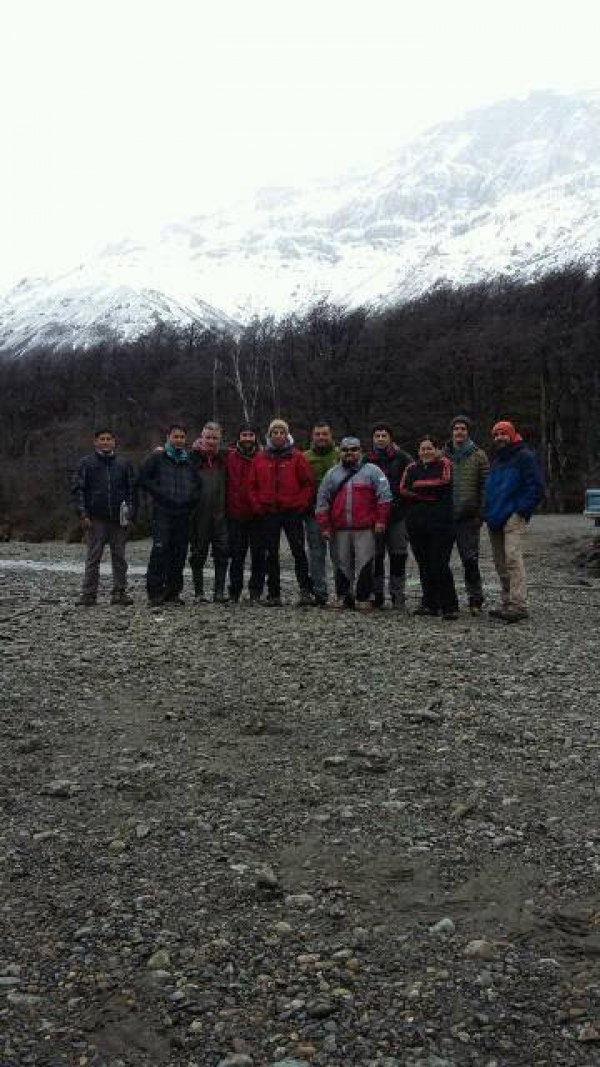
{"x":510,"y":189}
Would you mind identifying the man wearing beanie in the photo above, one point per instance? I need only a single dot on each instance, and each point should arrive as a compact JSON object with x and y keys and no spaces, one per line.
{"x":241,"y":524}
{"x":281,"y":488}
{"x":470,"y":468}
{"x":321,"y":456}
{"x":513,"y":491}
{"x":353,"y":507}
{"x":393,"y":462}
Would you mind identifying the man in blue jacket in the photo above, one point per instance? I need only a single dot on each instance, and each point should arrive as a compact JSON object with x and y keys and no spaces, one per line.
{"x":513,"y":490}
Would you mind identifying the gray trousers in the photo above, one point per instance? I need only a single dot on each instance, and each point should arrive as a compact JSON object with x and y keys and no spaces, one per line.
{"x":354,"y":554}
{"x":102,"y":533}
{"x":317,"y":557}
{"x":467,"y":533}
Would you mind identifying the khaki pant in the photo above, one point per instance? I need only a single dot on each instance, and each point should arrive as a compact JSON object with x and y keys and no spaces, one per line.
{"x":508,"y":561}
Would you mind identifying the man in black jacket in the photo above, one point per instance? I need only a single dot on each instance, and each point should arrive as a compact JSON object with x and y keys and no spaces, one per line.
{"x":104,"y":495}
{"x":169,"y":478}
{"x":393,"y":462}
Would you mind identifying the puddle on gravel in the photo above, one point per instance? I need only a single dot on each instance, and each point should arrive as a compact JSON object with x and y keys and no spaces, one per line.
{"x":59,"y":568}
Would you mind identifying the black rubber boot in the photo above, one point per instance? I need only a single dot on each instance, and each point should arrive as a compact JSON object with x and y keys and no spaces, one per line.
{"x":220,"y":596}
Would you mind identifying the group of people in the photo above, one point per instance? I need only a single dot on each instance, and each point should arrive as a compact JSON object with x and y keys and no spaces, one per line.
{"x":360,"y":509}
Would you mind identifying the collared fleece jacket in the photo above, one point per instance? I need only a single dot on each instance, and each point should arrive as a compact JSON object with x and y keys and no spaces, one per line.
{"x":514,"y":486}
{"x":365,"y":499}
{"x":280,"y":481}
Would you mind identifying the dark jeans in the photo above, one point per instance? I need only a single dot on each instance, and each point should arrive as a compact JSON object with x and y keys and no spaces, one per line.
{"x":269,"y":534}
{"x":467,"y":543}
{"x":243,"y":535}
{"x":170,"y":536}
{"x":432,"y":542}
{"x":102,"y":533}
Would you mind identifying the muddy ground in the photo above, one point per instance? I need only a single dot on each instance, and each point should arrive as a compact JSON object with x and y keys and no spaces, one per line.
{"x":231,"y":835}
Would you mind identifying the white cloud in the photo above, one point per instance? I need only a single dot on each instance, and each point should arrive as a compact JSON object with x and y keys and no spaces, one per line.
{"x":118,"y":114}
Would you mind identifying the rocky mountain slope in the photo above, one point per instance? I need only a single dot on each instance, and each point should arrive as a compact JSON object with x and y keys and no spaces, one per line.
{"x":509,"y":189}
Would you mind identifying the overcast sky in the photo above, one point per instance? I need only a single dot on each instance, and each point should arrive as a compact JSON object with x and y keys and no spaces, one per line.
{"x":117,"y":114}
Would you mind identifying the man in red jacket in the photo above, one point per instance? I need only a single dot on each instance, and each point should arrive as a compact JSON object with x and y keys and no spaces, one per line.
{"x":281,"y":488}
{"x":242,"y":525}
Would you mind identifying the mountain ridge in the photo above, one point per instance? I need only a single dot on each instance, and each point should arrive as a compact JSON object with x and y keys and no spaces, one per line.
{"x":512,"y":189}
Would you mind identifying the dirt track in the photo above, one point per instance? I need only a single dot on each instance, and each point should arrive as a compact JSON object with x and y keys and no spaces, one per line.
{"x":289,"y":836}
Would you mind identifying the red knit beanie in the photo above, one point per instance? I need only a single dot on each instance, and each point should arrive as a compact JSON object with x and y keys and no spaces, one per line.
{"x":508,"y":428}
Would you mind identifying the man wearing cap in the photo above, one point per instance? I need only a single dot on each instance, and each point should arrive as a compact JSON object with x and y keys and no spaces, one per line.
{"x":281,"y":488}
{"x":241,"y":524}
{"x":322,"y":456}
{"x":470,"y":468}
{"x":513,"y":490}
{"x":353,"y":506}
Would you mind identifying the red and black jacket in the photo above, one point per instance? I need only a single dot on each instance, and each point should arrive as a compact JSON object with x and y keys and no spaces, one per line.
{"x":428,"y":484}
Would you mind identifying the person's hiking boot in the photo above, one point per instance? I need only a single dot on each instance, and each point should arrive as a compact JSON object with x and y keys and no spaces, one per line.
{"x":86,"y":601}
{"x":174,"y":600}
{"x":272,"y":602}
{"x":339,"y":604}
{"x":475,"y":610}
{"x":510,"y":614}
{"x":399,"y":605}
{"x":305,"y":599}
{"x":319,"y":601}
{"x":119,"y":596}
{"x":449,"y":616}
{"x":422,"y":610}
{"x":378,"y":601}
{"x":365,"y":606}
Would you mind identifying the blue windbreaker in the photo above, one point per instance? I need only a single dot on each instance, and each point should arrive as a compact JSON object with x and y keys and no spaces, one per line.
{"x":514,"y":486}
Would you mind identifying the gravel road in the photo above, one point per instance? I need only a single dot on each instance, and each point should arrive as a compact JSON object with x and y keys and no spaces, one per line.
{"x":238,"y":837}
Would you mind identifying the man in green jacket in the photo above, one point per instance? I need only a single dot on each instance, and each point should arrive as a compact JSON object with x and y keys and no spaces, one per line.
{"x":470,"y":468}
{"x":322,"y":456}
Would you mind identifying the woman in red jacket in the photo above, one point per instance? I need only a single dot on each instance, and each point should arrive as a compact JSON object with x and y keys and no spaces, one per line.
{"x":427,"y":486}
{"x":281,"y":487}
